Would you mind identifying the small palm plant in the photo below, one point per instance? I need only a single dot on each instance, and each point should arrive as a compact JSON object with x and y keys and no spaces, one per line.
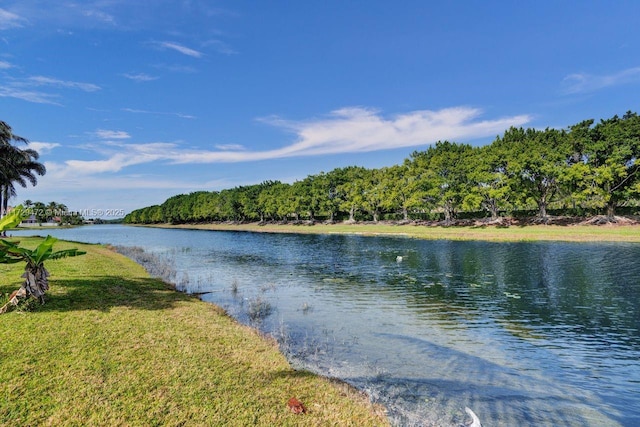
{"x":36,"y":276}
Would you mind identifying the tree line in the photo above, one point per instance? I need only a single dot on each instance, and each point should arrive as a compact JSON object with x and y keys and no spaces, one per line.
{"x":587,"y":168}
{"x":40,"y":212}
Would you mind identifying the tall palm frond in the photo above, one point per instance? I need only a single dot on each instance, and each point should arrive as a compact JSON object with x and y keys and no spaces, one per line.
{"x":17,"y":166}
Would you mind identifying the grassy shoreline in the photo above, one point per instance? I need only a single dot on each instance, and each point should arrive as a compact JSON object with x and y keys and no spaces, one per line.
{"x":530,"y":233}
{"x":113,"y":346}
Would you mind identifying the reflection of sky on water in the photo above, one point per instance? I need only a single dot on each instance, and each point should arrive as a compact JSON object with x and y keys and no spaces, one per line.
{"x":538,"y":334}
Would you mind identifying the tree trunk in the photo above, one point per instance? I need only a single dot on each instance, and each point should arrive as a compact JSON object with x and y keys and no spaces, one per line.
{"x":493,"y":209}
{"x":447,"y":217}
{"x":542,"y":208}
{"x":5,"y":200}
{"x":405,"y":213}
{"x":449,"y":213}
{"x":36,"y":281}
{"x":352,"y":213}
{"x":611,"y":210}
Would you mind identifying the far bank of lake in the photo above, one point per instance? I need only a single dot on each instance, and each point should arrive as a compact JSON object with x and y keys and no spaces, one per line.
{"x":489,"y":233}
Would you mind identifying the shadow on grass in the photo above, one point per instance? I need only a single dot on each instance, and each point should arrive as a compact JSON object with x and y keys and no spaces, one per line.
{"x":289,"y":374}
{"x":106,"y":292}
{"x":303,"y":374}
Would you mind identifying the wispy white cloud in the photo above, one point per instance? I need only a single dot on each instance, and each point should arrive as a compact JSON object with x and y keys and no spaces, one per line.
{"x":179,"y":48}
{"x":99,"y":16}
{"x":118,"y":157}
{"x":584,"y":83}
{"x":9,"y":20}
{"x":114,"y":163}
{"x":140,"y":77}
{"x":357,"y":129}
{"x":220,"y":47}
{"x":36,"y":97}
{"x":230,"y":147}
{"x":43,"y":147}
{"x":348,"y":130}
{"x":184,"y":69}
{"x":28,"y":89}
{"x":49,"y":81}
{"x":111,"y":134}
{"x":4,"y":65}
{"x":67,"y":15}
{"x":158,"y":113}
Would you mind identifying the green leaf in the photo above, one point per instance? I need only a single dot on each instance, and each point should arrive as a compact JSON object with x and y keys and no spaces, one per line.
{"x":7,"y":258}
{"x":13,"y":249}
{"x":44,"y":250}
{"x":7,"y":243}
{"x":13,"y":218}
{"x":66,"y":253}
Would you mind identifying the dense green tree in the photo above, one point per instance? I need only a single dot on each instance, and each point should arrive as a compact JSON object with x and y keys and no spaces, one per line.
{"x":605,"y":162}
{"x":536,"y":164}
{"x":374,"y":193}
{"x":248,"y":201}
{"x":201,"y":208}
{"x":489,"y":184}
{"x":177,"y":209}
{"x":442,"y":172}
{"x":297,"y":199}
{"x":403,"y":190}
{"x":351,"y":189}
{"x":270,"y":200}
{"x":316,"y":189}
{"x":40,"y":212}
{"x":331,"y":184}
{"x":230,"y":206}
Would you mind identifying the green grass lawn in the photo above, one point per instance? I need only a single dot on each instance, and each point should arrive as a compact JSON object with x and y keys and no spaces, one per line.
{"x":573,"y":233}
{"x":112,"y":346}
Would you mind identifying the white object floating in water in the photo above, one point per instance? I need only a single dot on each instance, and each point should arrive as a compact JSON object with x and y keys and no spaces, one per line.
{"x":510,"y":295}
{"x":475,"y":420}
{"x":398,"y":258}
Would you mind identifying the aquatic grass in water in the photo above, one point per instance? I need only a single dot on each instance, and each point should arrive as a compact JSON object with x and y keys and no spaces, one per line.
{"x":259,"y":309}
{"x":157,"y":266}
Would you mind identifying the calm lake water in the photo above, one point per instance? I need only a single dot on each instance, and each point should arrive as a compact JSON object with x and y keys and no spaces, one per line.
{"x":525,"y":334}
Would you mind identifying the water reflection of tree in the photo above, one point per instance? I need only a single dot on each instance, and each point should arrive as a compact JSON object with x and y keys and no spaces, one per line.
{"x":586,"y":289}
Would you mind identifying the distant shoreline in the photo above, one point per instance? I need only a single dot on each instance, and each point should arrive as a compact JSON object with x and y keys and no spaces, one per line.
{"x":628,"y":232}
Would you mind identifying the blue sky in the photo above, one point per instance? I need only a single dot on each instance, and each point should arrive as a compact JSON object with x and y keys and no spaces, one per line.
{"x":132,"y":102}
